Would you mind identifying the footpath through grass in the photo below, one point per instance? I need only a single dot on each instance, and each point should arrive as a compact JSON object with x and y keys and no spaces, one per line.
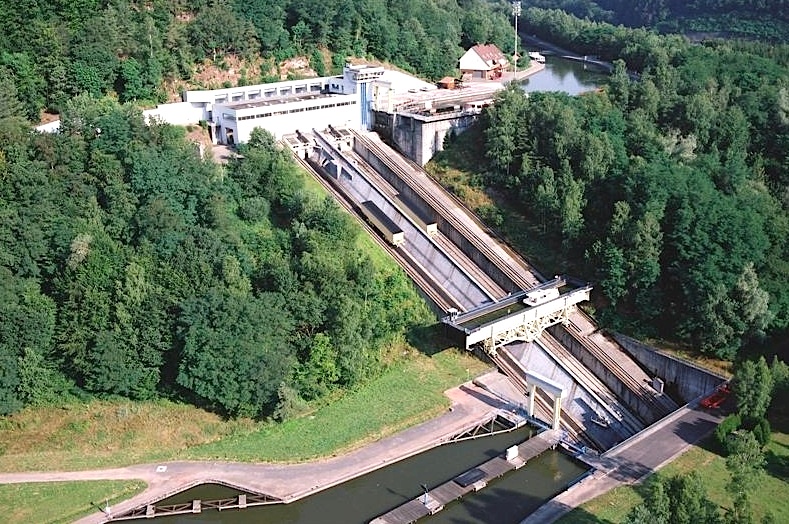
{"x":82,"y":436}
{"x":613,"y":507}
{"x":56,"y":502}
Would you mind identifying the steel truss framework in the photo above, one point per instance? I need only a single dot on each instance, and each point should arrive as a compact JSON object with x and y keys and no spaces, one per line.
{"x":529,"y":330}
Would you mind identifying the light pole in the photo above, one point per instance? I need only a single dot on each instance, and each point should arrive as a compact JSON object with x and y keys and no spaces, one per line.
{"x":516,"y":12}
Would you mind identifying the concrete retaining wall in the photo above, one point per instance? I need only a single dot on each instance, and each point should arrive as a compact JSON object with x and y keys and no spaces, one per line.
{"x":636,"y":404}
{"x":419,"y":139}
{"x":688,"y":379}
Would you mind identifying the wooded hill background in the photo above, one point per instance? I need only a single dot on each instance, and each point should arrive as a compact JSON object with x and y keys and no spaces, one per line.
{"x":129,"y":266}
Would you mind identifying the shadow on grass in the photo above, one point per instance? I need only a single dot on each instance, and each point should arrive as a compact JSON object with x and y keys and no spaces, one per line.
{"x":581,"y":516}
{"x":430,"y":339}
{"x":777,"y":465}
{"x":712,"y":445}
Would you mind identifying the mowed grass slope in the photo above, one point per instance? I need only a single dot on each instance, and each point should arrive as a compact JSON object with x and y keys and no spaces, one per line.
{"x":102,"y":434}
{"x":407,"y":394}
{"x":61,"y":502}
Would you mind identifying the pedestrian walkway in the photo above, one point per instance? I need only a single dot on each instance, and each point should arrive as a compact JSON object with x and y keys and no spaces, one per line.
{"x":289,"y":482}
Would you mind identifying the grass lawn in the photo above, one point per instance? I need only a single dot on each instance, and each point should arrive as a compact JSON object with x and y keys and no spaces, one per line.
{"x":407,"y":394}
{"x":612,"y":508}
{"x":106,"y":434}
{"x":51,"y":502}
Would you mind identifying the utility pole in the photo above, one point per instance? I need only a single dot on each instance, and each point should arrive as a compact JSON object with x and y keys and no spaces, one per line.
{"x":516,"y":12}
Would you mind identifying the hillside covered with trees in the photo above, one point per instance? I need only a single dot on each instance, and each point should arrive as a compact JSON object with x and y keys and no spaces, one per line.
{"x":670,"y":190}
{"x":765,"y":20}
{"x":132,"y":267}
{"x":128,"y":263}
{"x":52,"y":51}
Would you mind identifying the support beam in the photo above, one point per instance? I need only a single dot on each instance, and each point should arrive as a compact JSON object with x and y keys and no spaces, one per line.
{"x":532,"y":394}
{"x":518,"y":320}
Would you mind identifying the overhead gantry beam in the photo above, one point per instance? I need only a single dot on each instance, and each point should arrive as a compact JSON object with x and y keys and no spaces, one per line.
{"x":528,"y":381}
{"x":527,"y":324}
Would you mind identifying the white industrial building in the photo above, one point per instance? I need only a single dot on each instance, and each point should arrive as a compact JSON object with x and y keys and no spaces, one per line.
{"x":283,"y":108}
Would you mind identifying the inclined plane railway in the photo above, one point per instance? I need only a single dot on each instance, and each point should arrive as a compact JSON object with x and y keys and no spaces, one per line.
{"x":459,"y":265}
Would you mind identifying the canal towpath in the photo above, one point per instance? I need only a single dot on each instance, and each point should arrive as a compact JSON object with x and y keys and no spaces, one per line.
{"x":471,"y":403}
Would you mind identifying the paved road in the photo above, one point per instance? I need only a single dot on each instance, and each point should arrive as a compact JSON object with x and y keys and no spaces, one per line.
{"x":470,"y":404}
{"x":632,"y":460}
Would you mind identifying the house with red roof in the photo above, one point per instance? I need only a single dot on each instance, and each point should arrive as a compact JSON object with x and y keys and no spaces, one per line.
{"x":483,"y":62}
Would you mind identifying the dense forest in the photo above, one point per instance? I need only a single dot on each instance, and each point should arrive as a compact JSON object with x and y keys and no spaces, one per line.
{"x":766,"y":20}
{"x":671,"y":189}
{"x":52,"y":51}
{"x":131,"y":266}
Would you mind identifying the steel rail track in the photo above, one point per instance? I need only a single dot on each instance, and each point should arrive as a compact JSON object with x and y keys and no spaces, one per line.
{"x":433,"y":291}
{"x":526,"y":278}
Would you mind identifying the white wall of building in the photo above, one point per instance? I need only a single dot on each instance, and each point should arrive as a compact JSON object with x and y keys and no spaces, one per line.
{"x":52,"y":127}
{"x":288,"y":103}
{"x":179,"y":114}
{"x":284,"y":118}
{"x":471,"y":61}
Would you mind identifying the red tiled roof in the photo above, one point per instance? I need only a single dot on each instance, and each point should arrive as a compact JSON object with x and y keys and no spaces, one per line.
{"x":489,"y":53}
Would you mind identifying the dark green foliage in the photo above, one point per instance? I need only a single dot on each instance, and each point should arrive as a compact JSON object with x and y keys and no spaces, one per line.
{"x":54,"y":52}
{"x":676,"y":500}
{"x":746,"y":465}
{"x":26,"y":333}
{"x":762,"y":431}
{"x":666,"y":191}
{"x":725,"y":430}
{"x":131,"y":267}
{"x":236,"y":350}
{"x":753,"y":386}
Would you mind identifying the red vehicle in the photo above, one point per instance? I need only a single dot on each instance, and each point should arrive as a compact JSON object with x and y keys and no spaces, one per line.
{"x":717,"y":398}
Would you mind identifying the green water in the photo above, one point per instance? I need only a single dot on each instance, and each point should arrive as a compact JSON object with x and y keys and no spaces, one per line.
{"x":565,"y":75}
{"x":506,"y":500}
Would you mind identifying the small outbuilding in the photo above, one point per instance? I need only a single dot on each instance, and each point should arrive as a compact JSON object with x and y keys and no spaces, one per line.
{"x":483,"y":62}
{"x":447,"y":83}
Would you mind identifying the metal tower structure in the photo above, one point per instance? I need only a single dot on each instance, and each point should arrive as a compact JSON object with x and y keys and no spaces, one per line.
{"x":516,"y":12}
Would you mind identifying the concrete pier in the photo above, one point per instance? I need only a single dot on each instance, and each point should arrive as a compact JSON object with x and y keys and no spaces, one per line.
{"x":472,"y":480}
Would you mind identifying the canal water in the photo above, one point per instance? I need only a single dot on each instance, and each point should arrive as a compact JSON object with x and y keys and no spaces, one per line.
{"x":506,"y":500}
{"x":569,"y":76}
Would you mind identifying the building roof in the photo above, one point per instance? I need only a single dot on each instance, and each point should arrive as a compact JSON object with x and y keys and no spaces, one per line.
{"x":489,"y":53}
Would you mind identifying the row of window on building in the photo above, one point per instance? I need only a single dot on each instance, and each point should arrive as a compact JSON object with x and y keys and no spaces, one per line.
{"x":228,"y":116}
{"x":269,"y":93}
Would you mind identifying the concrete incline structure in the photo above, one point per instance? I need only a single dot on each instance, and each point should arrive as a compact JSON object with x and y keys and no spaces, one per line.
{"x":352,"y":181}
{"x":622,"y":376}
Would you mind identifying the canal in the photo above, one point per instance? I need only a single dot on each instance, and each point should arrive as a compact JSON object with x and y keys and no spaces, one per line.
{"x":506,"y":500}
{"x":564,"y":75}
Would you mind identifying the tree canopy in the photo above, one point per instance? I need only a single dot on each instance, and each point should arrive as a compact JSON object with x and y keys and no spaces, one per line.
{"x":131,"y":266}
{"x":669,"y":190}
{"x":52,"y":51}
